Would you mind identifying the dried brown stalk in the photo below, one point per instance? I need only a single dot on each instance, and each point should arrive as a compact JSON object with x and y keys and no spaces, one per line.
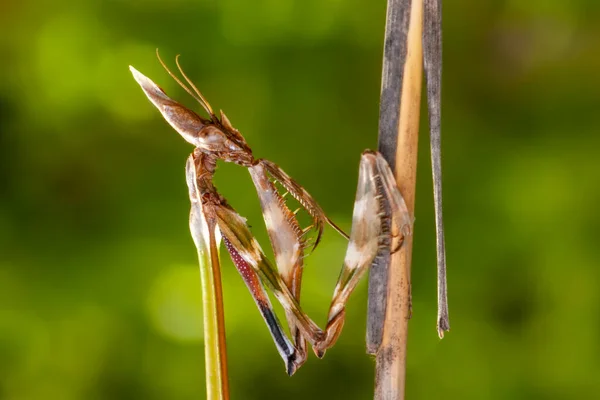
{"x":390,"y":285}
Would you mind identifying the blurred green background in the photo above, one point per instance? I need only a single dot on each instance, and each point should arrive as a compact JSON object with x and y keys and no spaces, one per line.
{"x":99,"y":285}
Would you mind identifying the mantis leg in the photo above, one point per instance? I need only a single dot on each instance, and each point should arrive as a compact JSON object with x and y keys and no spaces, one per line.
{"x":303,"y":197}
{"x":205,"y":203}
{"x":234,"y":229}
{"x":379,"y":209}
{"x":288,"y":245}
{"x":206,"y":237}
{"x":286,"y":350}
{"x":380,"y":219}
{"x":287,"y":238}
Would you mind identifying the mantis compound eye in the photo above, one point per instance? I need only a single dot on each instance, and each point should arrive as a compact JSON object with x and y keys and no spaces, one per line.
{"x":211,"y":138}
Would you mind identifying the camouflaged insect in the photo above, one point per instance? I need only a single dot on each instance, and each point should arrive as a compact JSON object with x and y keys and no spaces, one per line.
{"x":380,"y":221}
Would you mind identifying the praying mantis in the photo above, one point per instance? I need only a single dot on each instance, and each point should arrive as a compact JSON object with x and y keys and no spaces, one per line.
{"x":380,"y":221}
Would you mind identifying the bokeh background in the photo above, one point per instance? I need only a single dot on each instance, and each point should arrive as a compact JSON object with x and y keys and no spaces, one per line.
{"x":99,"y":284}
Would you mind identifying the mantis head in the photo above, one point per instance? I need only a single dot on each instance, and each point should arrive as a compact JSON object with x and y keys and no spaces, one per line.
{"x":213,"y":136}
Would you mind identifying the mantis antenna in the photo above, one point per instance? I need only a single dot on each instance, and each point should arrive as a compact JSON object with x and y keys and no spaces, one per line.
{"x":197,"y":95}
{"x":205,"y":104}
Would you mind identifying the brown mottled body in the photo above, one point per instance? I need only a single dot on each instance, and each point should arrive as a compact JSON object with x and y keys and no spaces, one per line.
{"x":378,"y":203}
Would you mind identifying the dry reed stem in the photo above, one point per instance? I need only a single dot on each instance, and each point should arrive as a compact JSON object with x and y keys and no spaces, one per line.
{"x":404,"y":24}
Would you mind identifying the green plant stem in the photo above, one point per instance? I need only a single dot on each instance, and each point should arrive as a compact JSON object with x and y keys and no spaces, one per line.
{"x":215,"y":351}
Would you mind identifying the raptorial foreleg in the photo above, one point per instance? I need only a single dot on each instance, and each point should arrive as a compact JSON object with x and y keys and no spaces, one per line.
{"x":380,"y":219}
